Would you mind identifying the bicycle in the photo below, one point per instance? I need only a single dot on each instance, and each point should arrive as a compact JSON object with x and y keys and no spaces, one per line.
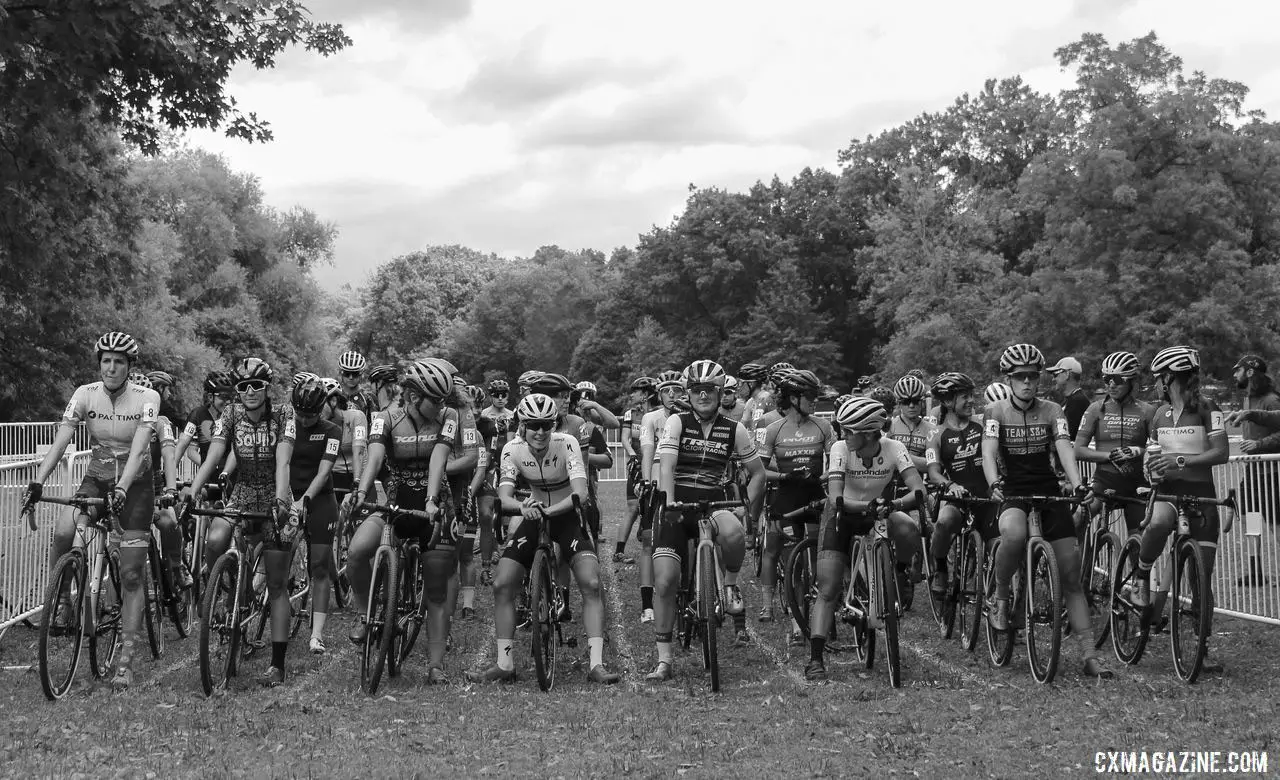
{"x":230,"y":604}
{"x":1191,"y":614}
{"x":165,"y":598}
{"x":338,"y":551}
{"x":800,"y":572}
{"x":70,"y":611}
{"x":871,"y":600}
{"x":1098,"y":553}
{"x":700,"y":600}
{"x":1036,"y":593}
{"x":967,"y":561}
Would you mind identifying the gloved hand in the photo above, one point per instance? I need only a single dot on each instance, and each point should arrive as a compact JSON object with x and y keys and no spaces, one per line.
{"x":1124,"y":454}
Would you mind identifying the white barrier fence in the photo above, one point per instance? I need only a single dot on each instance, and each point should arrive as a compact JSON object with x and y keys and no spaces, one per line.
{"x":22,"y":441}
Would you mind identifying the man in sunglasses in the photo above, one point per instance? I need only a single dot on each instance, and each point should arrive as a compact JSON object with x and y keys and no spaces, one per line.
{"x":1066,"y":379}
{"x":351,"y":365}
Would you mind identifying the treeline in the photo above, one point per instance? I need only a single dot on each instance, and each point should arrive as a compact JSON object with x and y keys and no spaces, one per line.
{"x":1138,"y":209}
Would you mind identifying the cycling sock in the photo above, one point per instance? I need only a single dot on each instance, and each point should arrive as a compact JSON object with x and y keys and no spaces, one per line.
{"x":596,"y":645}
{"x":317,"y":623}
{"x":505,"y":662}
{"x":817,"y":645}
{"x":622,"y":545}
{"x":646,"y":598}
{"x":278,"y":649}
{"x":740,"y":623}
{"x":664,"y":650}
{"x":469,"y":597}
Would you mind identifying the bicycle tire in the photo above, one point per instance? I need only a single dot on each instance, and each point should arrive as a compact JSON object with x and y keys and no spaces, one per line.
{"x":1192,"y":611}
{"x":801,"y":584}
{"x":195,"y":564}
{"x":411,"y":606}
{"x":856,"y":590}
{"x":542,"y":639}
{"x":1097,"y":584}
{"x":154,"y":604}
{"x":969,"y":589}
{"x":338,"y":556}
{"x":1043,"y":612}
{"x":299,"y":588}
{"x":380,"y":621}
{"x":708,"y":604}
{"x":950,"y":599}
{"x":884,"y":559}
{"x":104,"y":638}
{"x":999,"y":643}
{"x":220,"y":629}
{"x":1129,"y":631}
{"x":58,"y":664}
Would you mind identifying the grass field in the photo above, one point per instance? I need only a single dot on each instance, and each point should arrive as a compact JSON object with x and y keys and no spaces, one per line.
{"x":954,"y":717}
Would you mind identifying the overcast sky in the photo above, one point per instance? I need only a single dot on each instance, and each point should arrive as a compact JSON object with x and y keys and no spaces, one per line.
{"x":505,"y":125}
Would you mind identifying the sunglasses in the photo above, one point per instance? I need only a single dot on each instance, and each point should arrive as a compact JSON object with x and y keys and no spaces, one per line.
{"x":1114,"y":380}
{"x":911,"y":401}
{"x":502,"y":394}
{"x":1026,"y":376}
{"x":352,"y":374}
{"x":539,"y":426}
{"x":703,"y":389}
{"x":251,"y":386}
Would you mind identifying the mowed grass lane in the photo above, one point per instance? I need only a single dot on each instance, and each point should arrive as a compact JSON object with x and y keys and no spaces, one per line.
{"x":954,"y":716}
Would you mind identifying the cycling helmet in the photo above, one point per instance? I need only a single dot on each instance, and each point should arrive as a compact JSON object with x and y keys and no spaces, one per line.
{"x":499,"y":386}
{"x":1021,"y":356}
{"x":882,"y":395}
{"x":908,"y":388}
{"x":115,"y":341}
{"x":730,"y":384}
{"x":1121,"y":364}
{"x":669,"y":378}
{"x":303,"y":376}
{"x":865,"y":381}
{"x":777,"y":368}
{"x":752,"y":372}
{"x":253,"y":368}
{"x":160,"y":379}
{"x":351,"y":361}
{"x":428,"y":380}
{"x":1176,"y":360}
{"x":862,"y":415}
{"x":918,"y":373}
{"x":219,"y":382}
{"x":537,"y":406}
{"x":704,"y":372}
{"x":952,"y":383}
{"x":997,"y":391}
{"x":527,"y":377}
{"x":585,"y":386}
{"x":332,"y":388}
{"x":840,"y":399}
{"x":644,"y":384}
{"x":798,"y":382}
{"x":384,"y":374}
{"x":551,"y":384}
{"x":478,"y":396}
{"x":309,"y":396}
{"x":140,"y":379}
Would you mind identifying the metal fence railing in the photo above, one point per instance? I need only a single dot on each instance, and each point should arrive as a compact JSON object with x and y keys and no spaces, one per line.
{"x":20,"y":441}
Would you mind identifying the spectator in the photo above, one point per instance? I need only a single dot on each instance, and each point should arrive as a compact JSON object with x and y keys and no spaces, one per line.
{"x":1261,"y":432}
{"x":1066,"y":377}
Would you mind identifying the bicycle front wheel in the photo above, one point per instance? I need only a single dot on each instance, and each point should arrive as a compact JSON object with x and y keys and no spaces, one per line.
{"x":300,"y":588}
{"x":708,"y":616}
{"x":967,"y":589}
{"x":104,"y":634}
{"x":1129,"y":629}
{"x":543,"y":631}
{"x":380,"y":621}
{"x":61,"y":626}
{"x":999,"y":643}
{"x":1191,"y":608}
{"x":1097,"y":584}
{"x":887,"y":578}
{"x":221,"y":629}
{"x":154,"y":609}
{"x":411,"y":606}
{"x":801,"y":583}
{"x":1044,"y":612}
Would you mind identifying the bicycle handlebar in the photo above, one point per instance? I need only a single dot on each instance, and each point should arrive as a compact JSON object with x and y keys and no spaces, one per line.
{"x":1111,"y":495}
{"x":1049,"y":499}
{"x":705,"y":506}
{"x":79,"y":502}
{"x":809,"y":507}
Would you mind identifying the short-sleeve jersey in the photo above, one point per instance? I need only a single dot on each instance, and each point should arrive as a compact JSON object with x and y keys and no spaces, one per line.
{"x":762,"y":425}
{"x":651,"y":428}
{"x":1110,"y":425}
{"x":549,"y":476}
{"x":703,"y":457}
{"x":468,"y":440}
{"x":1026,"y":438}
{"x":733,"y":412}
{"x":631,"y":419}
{"x":112,"y":422}
{"x":958,"y":452}
{"x":915,"y":437}
{"x":798,"y":445}
{"x":195,"y":429}
{"x":355,"y":430}
{"x":161,"y":439}
{"x":1194,"y":433}
{"x":866,"y":480}
{"x":756,"y":407}
{"x":409,"y":447}
{"x":254,"y":444}
{"x":312,"y":446}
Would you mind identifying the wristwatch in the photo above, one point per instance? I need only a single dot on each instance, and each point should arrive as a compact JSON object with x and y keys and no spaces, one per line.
{"x":1180,"y":461}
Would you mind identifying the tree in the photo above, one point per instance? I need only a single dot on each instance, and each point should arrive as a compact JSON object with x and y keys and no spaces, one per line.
{"x":785,"y":325}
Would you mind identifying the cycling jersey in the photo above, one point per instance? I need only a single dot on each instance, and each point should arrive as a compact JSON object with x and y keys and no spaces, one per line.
{"x":161,"y":439}
{"x":651,"y":428}
{"x":352,"y":424}
{"x":958,"y":451}
{"x":865,"y":480}
{"x":915,"y":437}
{"x":254,"y":445}
{"x":1194,"y":433}
{"x":762,"y":425}
{"x":362,"y":402}
{"x":796,"y":445}
{"x":631,"y":419}
{"x":469,"y":439}
{"x":756,"y":407}
{"x":1026,"y":438}
{"x":409,"y":448}
{"x":733,"y":412}
{"x":312,"y":446}
{"x":548,"y":477}
{"x":195,"y":429}
{"x":1110,"y":425}
{"x":703,"y":458}
{"x":112,"y":422}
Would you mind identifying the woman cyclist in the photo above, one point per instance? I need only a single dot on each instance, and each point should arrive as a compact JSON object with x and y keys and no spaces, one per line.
{"x":1117,"y":426}
{"x":261,"y":440}
{"x":550,"y":464}
{"x":414,"y":441}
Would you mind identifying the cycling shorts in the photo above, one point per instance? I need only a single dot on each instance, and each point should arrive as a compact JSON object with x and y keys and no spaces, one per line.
{"x":410,"y":526}
{"x":1055,"y":519}
{"x":838,"y":529}
{"x":322,"y":519}
{"x":1123,"y":486}
{"x":984,"y":518}
{"x":566,"y":531}
{"x":139,"y":501}
{"x":676,"y":530}
{"x":1204,"y":529}
{"x":792,"y":497}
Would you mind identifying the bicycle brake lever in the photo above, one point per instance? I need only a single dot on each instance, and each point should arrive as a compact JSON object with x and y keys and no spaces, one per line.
{"x":30,"y":511}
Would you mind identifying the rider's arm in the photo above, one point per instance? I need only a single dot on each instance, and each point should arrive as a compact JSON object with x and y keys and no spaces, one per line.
{"x":379,"y":435}
{"x":765,"y":451}
{"x":1066,"y":452}
{"x":60,"y":441}
{"x":141,"y":445}
{"x":668,"y":453}
{"x":482,"y":470}
{"x":331,"y":447}
{"x":1088,"y":425}
{"x":991,"y":449}
{"x":1219,"y":448}
{"x":577,"y":479}
{"x":629,"y":450}
{"x":599,"y":415}
{"x":284,"y":454}
{"x":216,"y":449}
{"x":933,"y":460}
{"x":648,"y":448}
{"x":168,"y":462}
{"x":911,"y":478}
{"x":359,"y":443}
{"x":598,"y":456}
{"x":745,"y":451}
{"x":464,"y":463}
{"x":450,"y":435}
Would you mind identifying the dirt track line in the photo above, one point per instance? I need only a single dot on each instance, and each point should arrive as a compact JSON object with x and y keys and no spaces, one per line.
{"x":191,"y":659}
{"x":613,"y":603}
{"x":765,"y":646}
{"x":929,"y":656}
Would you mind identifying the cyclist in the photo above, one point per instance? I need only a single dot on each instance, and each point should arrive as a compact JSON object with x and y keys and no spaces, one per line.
{"x":954,"y":462}
{"x":414,"y":441}
{"x":730,"y":405}
{"x":219,"y":390}
{"x":1118,"y":425}
{"x":261,"y":439}
{"x":524,"y":382}
{"x":468,"y":565}
{"x":354,"y":451}
{"x":1190,"y":431}
{"x":598,"y":456}
{"x":644,"y":397}
{"x":589,"y":409}
{"x":695,"y":452}
{"x":318,"y":443}
{"x":669,"y":387}
{"x":351,"y":365}
{"x":386,"y":388}
{"x":909,"y":425}
{"x":504,"y":427}
{"x":793,"y":453}
{"x":753,"y":381}
{"x":164,"y":484}
{"x":862,"y":465}
{"x":121,"y":419}
{"x":997,"y":391}
{"x":1024,"y":432}
{"x":549,"y":463}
